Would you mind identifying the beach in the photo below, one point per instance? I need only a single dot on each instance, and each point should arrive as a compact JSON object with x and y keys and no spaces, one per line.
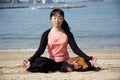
{"x":11,"y":67}
{"x":94,"y":26}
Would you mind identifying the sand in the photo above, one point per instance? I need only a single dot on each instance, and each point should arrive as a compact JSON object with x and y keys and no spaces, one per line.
{"x":11,"y":67}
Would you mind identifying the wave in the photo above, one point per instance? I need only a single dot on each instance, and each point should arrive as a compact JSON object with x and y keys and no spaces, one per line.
{"x":15,"y":50}
{"x":108,"y":48}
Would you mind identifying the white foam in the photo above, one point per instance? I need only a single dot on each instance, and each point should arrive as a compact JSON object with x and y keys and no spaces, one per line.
{"x":4,"y":50}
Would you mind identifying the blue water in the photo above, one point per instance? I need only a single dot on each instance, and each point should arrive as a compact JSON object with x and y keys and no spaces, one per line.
{"x":96,"y":26}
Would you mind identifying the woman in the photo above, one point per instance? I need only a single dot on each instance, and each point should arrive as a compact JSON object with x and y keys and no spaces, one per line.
{"x":56,"y":39}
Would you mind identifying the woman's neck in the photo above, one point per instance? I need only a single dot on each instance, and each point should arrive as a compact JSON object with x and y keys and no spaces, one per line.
{"x":57,"y":29}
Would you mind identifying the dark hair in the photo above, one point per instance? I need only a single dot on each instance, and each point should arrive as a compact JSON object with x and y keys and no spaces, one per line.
{"x":65,"y":25}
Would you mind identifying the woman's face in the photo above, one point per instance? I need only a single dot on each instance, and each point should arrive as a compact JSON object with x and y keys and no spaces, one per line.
{"x":57,"y":20}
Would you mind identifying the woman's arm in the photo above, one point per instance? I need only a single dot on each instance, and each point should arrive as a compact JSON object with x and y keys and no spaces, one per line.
{"x":41,"y":49}
{"x":75,"y":47}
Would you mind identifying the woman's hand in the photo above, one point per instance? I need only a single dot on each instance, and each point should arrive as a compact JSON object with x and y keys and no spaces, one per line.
{"x":26,"y":63}
{"x":93,"y":61}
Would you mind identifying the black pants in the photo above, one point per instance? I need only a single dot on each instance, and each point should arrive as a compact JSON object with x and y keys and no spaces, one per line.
{"x":45,"y":65}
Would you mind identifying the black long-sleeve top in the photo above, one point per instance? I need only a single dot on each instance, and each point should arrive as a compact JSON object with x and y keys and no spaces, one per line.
{"x":44,"y":42}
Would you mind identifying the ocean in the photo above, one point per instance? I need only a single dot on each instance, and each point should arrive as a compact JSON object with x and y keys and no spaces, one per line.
{"x":96,"y":26}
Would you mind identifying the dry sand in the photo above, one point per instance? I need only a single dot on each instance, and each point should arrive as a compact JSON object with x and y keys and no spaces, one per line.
{"x":11,"y":67}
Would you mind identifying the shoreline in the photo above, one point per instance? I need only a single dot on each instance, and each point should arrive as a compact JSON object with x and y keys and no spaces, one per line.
{"x":13,"y":7}
{"x":65,"y":6}
{"x":69,"y":49}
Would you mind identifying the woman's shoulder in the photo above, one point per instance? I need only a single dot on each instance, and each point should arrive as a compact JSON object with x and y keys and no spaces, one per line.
{"x":46,"y":32}
{"x":69,"y":34}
